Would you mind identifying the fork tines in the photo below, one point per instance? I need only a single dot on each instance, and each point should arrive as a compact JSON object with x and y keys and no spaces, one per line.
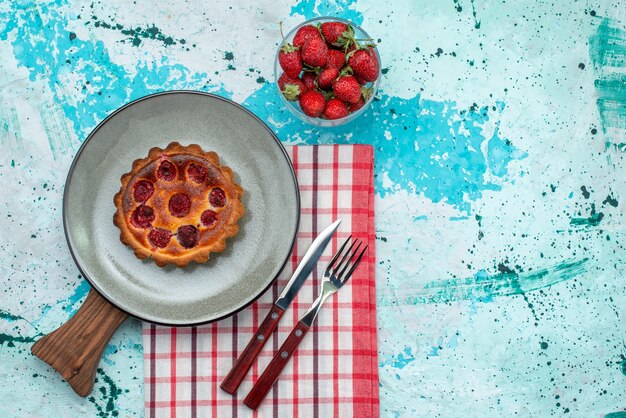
{"x":348,"y":260}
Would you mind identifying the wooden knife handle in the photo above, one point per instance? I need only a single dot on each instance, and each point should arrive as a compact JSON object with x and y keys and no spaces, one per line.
{"x":75,"y":348}
{"x":252,"y":350}
{"x":276,"y":366}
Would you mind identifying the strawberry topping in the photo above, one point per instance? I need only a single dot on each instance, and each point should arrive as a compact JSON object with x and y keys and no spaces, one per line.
{"x":143,"y":189}
{"x":180,"y":204}
{"x":197,"y":172}
{"x":159,"y":237}
{"x":187,"y":236}
{"x":142,"y":216}
{"x":217,"y":197}
{"x":166,"y":171}
{"x":208,"y":217}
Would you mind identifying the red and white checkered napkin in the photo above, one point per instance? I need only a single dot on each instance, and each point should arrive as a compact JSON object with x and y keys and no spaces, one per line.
{"x":334,"y":372}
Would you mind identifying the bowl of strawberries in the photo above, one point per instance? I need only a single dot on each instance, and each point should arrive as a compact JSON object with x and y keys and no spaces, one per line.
{"x":327,"y":70}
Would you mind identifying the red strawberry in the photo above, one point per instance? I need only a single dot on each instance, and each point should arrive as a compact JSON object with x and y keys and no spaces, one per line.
{"x":312,"y":103}
{"x":327,"y":77}
{"x":364,"y":64}
{"x":360,"y":80}
{"x":305,"y":33}
{"x":290,"y":61}
{"x":365,"y":96}
{"x":309,"y":80}
{"x":331,"y":31}
{"x":337,"y":33}
{"x":315,"y":52}
{"x":346,"y":88}
{"x":282,"y":80}
{"x":335,"y":109}
{"x":291,"y":88}
{"x":356,"y":106}
{"x":336,"y":58}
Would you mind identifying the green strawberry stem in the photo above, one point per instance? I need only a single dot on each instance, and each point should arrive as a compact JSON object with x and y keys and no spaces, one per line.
{"x":327,"y":94}
{"x":346,"y":39}
{"x":280,"y":28}
{"x":291,"y":92}
{"x":347,"y":70}
{"x":289,"y":48}
{"x":364,"y":47}
{"x":310,"y":69}
{"x":366,"y":92}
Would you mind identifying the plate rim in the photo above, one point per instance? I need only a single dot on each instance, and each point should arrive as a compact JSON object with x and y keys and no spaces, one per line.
{"x":71,"y":172}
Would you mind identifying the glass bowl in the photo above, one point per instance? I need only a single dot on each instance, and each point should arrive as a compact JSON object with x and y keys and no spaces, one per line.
{"x":294,"y":107}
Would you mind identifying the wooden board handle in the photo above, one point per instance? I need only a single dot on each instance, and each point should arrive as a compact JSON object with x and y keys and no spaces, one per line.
{"x":252,"y":350}
{"x":75,"y":348}
{"x":276,"y":366}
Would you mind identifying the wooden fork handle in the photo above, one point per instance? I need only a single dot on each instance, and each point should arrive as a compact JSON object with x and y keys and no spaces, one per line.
{"x":249,"y":354}
{"x":276,"y":366}
{"x":75,"y":348}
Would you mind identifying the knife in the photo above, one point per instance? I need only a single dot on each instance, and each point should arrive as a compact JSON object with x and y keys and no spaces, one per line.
{"x":252,"y":350}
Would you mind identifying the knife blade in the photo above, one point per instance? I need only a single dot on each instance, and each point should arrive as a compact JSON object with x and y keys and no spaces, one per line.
{"x":306,"y":265}
{"x":249,"y":354}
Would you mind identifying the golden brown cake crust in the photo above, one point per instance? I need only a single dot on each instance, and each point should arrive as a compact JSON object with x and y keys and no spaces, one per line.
{"x":178,"y":205}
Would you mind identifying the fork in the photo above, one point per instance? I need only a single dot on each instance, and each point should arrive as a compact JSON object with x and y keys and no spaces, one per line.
{"x":335,"y":276}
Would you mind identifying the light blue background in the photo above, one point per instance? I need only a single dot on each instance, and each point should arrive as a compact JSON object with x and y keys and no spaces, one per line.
{"x":499,"y":132}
